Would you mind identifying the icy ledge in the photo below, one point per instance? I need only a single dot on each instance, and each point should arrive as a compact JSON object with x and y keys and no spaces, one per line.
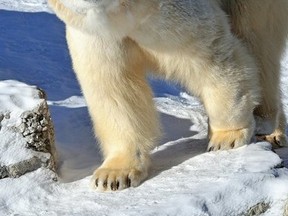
{"x":25,"y":5}
{"x":26,"y":130}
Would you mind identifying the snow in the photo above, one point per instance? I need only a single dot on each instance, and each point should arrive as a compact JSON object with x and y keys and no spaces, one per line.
{"x":17,"y":96}
{"x":185,"y":179}
{"x":71,"y":102}
{"x":218,"y":188}
{"x":11,"y":143}
{"x":25,"y":5}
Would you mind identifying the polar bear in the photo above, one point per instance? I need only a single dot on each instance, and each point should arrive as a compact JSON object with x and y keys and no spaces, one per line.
{"x":226,"y":52}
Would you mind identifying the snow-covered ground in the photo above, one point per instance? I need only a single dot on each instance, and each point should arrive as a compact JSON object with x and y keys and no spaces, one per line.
{"x":185,"y":180}
{"x":25,"y":5}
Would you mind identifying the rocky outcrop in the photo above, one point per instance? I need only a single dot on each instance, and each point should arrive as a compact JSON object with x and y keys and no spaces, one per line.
{"x":37,"y":129}
{"x":257,"y":209}
{"x":26,"y":130}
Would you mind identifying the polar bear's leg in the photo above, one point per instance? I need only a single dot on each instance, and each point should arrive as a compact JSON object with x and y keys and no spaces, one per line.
{"x":226,"y":80}
{"x":265,"y":36}
{"x":65,"y":14}
{"x":269,"y":113}
{"x":228,"y":127}
{"x":230,"y":96}
{"x":231,"y":122}
{"x":278,"y":138}
{"x":120,"y":103}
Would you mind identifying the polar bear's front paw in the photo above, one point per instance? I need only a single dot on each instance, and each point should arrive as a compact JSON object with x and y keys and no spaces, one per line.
{"x":120,"y":173}
{"x":105,"y":179}
{"x":229,"y":139}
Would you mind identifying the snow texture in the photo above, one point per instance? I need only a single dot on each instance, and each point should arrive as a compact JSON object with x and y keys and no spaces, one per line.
{"x":25,"y":5}
{"x":185,"y":179}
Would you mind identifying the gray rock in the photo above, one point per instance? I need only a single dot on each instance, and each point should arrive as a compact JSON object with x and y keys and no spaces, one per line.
{"x":7,"y":115}
{"x":3,"y":172}
{"x":285,"y":213}
{"x":1,"y":117}
{"x":37,"y":130}
{"x":18,"y":169}
{"x":257,"y":209}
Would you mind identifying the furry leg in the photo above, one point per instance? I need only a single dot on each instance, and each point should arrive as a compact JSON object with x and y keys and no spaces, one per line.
{"x":120,"y":103}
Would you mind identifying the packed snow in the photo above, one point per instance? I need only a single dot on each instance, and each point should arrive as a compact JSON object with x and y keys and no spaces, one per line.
{"x":17,"y":96}
{"x":184,"y":180}
{"x":25,"y":5}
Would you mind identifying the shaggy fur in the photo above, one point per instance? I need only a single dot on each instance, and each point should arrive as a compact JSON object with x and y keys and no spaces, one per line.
{"x":226,"y":52}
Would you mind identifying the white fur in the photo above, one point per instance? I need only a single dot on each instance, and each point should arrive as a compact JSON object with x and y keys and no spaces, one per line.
{"x":114,"y":42}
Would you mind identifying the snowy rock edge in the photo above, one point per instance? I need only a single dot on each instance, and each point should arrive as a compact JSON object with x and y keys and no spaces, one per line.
{"x":26,"y":130}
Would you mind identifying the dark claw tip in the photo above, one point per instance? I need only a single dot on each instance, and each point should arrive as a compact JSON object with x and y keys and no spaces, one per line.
{"x":105,"y":184}
{"x":129,"y":182}
{"x":113,"y":187}
{"x":277,"y":142}
{"x":211,"y":149}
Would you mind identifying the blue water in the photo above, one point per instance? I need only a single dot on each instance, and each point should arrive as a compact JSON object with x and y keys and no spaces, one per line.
{"x":33,"y":50}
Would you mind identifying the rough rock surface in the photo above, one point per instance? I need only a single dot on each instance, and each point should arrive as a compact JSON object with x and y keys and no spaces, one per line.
{"x":38,"y":131}
{"x":286,"y":209}
{"x":257,"y":209}
{"x":26,"y":130}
